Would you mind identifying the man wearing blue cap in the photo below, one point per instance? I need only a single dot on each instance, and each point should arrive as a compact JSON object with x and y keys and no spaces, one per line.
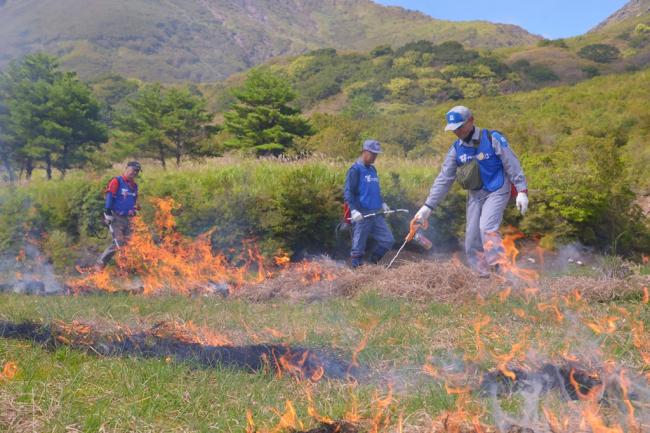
{"x":363,"y":195}
{"x":483,"y":163}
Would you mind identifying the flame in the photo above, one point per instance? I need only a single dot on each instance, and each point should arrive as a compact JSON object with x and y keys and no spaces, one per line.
{"x":592,"y":394}
{"x":352,"y":414}
{"x":553,"y":421}
{"x":595,"y":421}
{"x":167,"y":261}
{"x":478,"y":324}
{"x":283,"y":260}
{"x":188,"y":332}
{"x":508,"y":260}
{"x":288,"y":420}
{"x":250,"y":423}
{"x":430,"y":370}
{"x":381,"y":419}
{"x":625,"y":384}
{"x":607,"y":325}
{"x":302,"y":365}
{"x":503,"y":360}
{"x":363,"y":342}
{"x":519,"y":313}
{"x":559,"y":317}
{"x":311,"y":409}
{"x":646,"y":295}
{"x":9,"y":371}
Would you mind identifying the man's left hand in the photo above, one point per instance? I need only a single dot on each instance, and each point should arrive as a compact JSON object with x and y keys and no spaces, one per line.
{"x":385,"y":207}
{"x":522,"y":202}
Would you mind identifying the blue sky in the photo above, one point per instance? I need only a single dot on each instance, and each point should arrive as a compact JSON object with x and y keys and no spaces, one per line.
{"x":550,"y":18}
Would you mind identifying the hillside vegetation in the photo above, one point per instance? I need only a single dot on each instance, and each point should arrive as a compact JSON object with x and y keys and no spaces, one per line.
{"x":208,"y":40}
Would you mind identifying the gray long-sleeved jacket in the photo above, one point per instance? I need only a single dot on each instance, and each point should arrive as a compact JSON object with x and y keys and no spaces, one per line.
{"x":513,"y":171}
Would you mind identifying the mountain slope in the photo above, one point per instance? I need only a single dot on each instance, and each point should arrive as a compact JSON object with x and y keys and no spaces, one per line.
{"x":627,"y":32}
{"x":632,"y":9}
{"x":204,"y":40}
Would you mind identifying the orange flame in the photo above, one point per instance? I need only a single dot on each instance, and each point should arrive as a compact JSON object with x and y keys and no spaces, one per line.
{"x":250,"y":423}
{"x":9,"y":371}
{"x":508,"y":260}
{"x":288,"y":420}
{"x":381,"y":419}
{"x":171,"y":262}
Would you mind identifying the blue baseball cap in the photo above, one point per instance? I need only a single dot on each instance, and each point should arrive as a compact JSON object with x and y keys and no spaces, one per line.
{"x":372,"y":146}
{"x":456,"y":117}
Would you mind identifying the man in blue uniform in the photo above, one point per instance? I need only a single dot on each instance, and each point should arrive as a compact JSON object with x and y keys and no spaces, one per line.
{"x":362,"y":193}
{"x":120,"y":206}
{"x":483,"y":163}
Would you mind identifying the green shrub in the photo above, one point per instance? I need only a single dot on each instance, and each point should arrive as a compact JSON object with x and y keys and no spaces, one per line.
{"x":13,"y":217}
{"x":305,"y":209}
{"x":560,"y":43}
{"x":591,"y":71}
{"x":58,"y":246}
{"x":600,"y":53}
{"x":541,"y":73}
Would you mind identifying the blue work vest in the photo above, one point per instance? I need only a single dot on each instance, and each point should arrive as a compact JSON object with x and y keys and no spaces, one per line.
{"x":369,"y":191}
{"x":124,"y":201}
{"x":489,"y":163}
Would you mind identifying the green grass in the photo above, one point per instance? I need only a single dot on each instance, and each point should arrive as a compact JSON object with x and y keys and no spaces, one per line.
{"x":70,"y":388}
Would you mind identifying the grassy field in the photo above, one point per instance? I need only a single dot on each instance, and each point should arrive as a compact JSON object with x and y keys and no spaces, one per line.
{"x":69,"y":390}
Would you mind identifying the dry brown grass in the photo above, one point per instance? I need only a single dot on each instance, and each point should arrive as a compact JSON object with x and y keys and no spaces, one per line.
{"x":439,"y":281}
{"x":20,"y":417}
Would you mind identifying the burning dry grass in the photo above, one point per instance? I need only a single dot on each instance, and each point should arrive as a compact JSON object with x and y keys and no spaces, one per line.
{"x":438,"y":281}
{"x":183,"y":342}
{"x":167,"y":262}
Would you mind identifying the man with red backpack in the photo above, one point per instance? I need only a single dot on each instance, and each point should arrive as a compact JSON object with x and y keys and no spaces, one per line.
{"x":363,"y":196}
{"x":120,"y":206}
{"x":482,"y":162}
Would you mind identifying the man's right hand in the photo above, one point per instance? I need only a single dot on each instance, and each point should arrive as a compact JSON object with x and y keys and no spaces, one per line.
{"x":356,"y":216}
{"x":108,"y":219}
{"x":422,"y":215}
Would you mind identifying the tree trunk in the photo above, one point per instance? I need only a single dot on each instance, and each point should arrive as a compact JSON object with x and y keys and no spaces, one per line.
{"x":6,"y":162}
{"x":64,"y":160}
{"x":48,"y":166}
{"x":161,"y":156}
{"x":29,"y":168}
{"x":179,"y":153}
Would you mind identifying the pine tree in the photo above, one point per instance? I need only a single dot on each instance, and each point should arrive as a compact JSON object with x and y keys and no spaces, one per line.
{"x":143,"y":124}
{"x":262,"y":119}
{"x":186,"y":121}
{"x":47,"y":116}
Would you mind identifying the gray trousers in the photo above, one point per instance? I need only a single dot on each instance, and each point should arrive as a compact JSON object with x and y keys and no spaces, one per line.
{"x":483,"y":244}
{"x":122,"y":230}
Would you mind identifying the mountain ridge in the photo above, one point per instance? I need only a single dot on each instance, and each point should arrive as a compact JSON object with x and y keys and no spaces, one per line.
{"x":207,"y":40}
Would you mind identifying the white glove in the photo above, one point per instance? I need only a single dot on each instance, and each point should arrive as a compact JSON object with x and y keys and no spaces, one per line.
{"x":108,"y":219}
{"x":522,"y":202}
{"x":356,"y":216}
{"x":385,"y":207}
{"x":423,"y":214}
